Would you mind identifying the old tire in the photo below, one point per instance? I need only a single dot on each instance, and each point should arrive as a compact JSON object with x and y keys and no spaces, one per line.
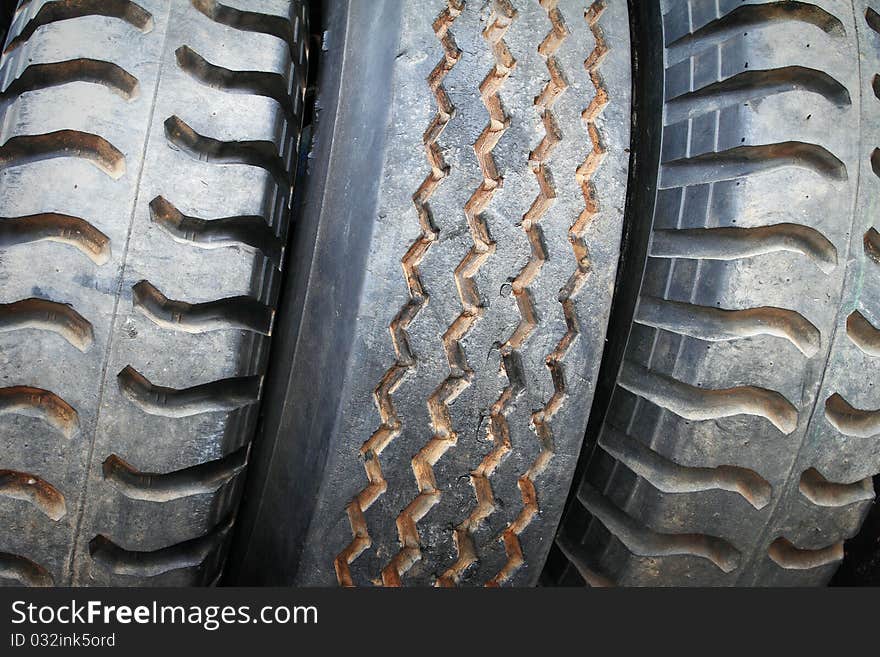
{"x":739,"y":444}
{"x":148,"y":151}
{"x":463,"y":211}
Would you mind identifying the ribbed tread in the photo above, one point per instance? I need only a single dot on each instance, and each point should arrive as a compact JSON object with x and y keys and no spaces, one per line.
{"x":460,"y":376}
{"x":542,"y":419}
{"x":390,"y":424}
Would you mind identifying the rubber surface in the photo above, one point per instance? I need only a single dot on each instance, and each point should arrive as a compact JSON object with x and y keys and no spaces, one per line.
{"x":461,"y":230}
{"x":740,"y":439}
{"x":148,"y":150}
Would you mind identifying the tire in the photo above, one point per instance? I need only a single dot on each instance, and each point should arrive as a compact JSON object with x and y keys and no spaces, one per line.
{"x":739,"y":443}
{"x":445,"y":323}
{"x":148,"y":152}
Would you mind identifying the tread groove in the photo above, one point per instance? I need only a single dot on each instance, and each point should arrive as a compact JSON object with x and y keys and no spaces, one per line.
{"x":24,"y":571}
{"x":863,"y":333}
{"x":224,"y":395}
{"x":61,"y":228}
{"x":787,"y":556}
{"x":755,"y":85}
{"x":669,"y":477}
{"x":719,"y":324}
{"x":694,"y":403}
{"x":851,"y":421}
{"x":260,"y":83}
{"x":187,"y":554}
{"x":43,"y":76}
{"x":822,"y":492}
{"x":872,"y":18}
{"x":248,"y":21}
{"x":153,"y":487}
{"x":752,"y":16}
{"x":735,"y":243}
{"x":641,"y":541}
{"x":47,"y":316}
{"x":35,"y":491}
{"x":252,"y":230}
{"x":583,"y":562}
{"x":871,"y":243}
{"x":42,"y":405}
{"x":62,"y":10}
{"x":242,"y":312}
{"x":744,"y":161}
{"x":875,"y":162}
{"x":28,"y":149}
{"x":262,"y":154}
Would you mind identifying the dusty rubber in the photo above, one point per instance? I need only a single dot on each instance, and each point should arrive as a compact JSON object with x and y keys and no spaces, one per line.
{"x":147,"y":154}
{"x":741,"y":437}
{"x":461,"y":232}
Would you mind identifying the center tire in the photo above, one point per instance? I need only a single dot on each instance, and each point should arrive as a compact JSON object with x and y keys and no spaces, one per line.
{"x":461,"y":227}
{"x":486,"y":177}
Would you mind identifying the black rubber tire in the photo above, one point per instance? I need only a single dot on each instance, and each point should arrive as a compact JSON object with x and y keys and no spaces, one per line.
{"x":740,"y":439}
{"x":131,"y":129}
{"x":497,"y":320}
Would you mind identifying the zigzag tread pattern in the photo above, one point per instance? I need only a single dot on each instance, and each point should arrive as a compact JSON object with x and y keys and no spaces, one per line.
{"x":511,"y":361}
{"x":460,"y":373}
{"x":542,"y":419}
{"x":390,"y":425}
{"x":498,"y":429}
